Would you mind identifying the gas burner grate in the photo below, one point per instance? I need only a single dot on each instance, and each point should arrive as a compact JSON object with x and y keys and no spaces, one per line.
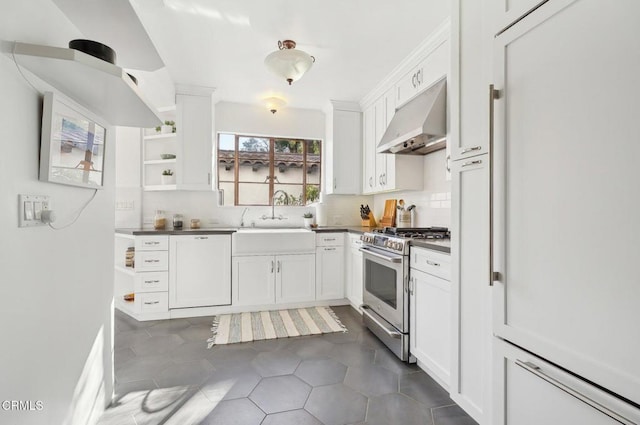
{"x":416,"y":232}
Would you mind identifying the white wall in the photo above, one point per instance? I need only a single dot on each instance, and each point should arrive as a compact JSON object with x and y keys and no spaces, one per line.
{"x":252,"y":120}
{"x":433,"y":203}
{"x":55,"y":286}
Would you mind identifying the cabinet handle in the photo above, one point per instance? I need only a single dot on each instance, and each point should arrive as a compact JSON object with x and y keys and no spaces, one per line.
{"x":468,"y":163}
{"x":152,"y":281}
{"x":448,"y":163}
{"x":202,"y":237}
{"x":384,"y":179}
{"x":278,"y":264}
{"x":151,"y":261}
{"x":370,"y":181}
{"x":412,"y":284}
{"x":329,"y":239}
{"x":329,"y":249}
{"x":432,"y":263}
{"x":151,"y":302}
{"x":335,"y":184}
{"x":271,"y":266}
{"x":493,"y":95}
{"x":208,"y":178}
{"x":472,"y":149}
{"x":535,"y":370}
{"x":419,"y":77}
{"x":152,"y":243}
{"x":413,"y":80}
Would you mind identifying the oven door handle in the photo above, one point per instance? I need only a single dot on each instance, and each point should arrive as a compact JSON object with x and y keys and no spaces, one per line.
{"x":392,"y":333}
{"x":382,"y":257}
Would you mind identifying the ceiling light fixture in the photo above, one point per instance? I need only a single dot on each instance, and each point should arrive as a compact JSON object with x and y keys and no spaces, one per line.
{"x":288,"y":62}
{"x":274,"y":103}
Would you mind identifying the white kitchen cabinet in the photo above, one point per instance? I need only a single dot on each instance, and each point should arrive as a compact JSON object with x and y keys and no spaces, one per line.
{"x":199,"y":270}
{"x":353,"y":270}
{"x":534,"y":392}
{"x":295,"y":278}
{"x":470,"y":78}
{"x":147,"y":279}
{"x":387,"y":172}
{"x":568,"y":301}
{"x":430,"y":312}
{"x":428,"y":71}
{"x":471,"y":294}
{"x":369,"y":151}
{"x":267,"y":279}
{"x":330,"y":267}
{"x":343,"y":144}
{"x":192,"y":145}
{"x":254,"y":280}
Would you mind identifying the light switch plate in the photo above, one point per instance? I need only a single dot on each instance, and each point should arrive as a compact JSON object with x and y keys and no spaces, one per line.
{"x":30,"y":208}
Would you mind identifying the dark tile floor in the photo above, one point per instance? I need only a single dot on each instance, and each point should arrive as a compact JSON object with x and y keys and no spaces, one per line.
{"x":166,"y":375}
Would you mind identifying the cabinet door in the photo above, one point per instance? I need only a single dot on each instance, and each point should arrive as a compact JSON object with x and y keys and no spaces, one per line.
{"x":199,"y":270}
{"x":369,"y":151}
{"x":194,"y":123}
{"x":430,"y":324}
{"x":254,"y":280}
{"x":344,"y":143}
{"x":471,"y":294}
{"x":330,"y":272}
{"x":380,"y":158}
{"x":555,"y":175}
{"x":534,"y":392}
{"x":470,"y":76}
{"x":295,"y":278}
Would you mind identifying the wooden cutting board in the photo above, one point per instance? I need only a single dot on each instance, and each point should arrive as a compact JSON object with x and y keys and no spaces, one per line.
{"x":389,"y":215}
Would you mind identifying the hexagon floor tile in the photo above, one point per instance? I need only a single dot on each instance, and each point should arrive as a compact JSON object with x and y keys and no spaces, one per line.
{"x":371,"y":380}
{"x":230,"y":383}
{"x":280,"y":393}
{"x":321,"y":372}
{"x":336,"y":404}
{"x":293,"y":417}
{"x":274,"y":363}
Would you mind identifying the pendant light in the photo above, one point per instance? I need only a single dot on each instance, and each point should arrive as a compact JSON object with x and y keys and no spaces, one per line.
{"x":287,"y":62}
{"x":274,"y":103}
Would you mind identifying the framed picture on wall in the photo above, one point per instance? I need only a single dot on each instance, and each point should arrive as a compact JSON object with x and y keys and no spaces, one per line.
{"x":72,"y":145}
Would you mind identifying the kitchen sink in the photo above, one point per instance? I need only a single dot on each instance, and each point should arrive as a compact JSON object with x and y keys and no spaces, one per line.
{"x":257,"y":241}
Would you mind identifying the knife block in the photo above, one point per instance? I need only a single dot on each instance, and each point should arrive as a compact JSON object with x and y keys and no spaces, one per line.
{"x":369,"y":222}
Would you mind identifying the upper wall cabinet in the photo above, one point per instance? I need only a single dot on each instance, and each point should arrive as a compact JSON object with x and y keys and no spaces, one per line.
{"x":424,"y":75}
{"x":470,"y":75}
{"x":343,"y":148}
{"x":103,"y":88}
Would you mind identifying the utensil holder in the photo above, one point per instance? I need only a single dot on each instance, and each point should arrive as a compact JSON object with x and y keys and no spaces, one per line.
{"x":405,"y":219}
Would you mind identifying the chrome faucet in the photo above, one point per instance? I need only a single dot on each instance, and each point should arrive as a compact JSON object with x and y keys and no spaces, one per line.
{"x":242,"y":217}
{"x":273,"y":206}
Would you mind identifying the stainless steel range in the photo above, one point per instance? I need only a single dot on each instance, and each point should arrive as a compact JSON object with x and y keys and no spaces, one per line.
{"x":386,"y":283}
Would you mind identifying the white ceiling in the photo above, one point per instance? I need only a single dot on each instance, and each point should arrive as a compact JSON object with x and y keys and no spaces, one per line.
{"x":223,"y":43}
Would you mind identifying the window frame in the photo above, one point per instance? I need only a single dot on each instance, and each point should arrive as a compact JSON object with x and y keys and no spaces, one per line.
{"x":272,"y":165}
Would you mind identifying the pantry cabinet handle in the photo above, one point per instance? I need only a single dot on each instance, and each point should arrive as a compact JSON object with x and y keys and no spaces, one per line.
{"x":468,"y":163}
{"x":535,"y":370}
{"x":472,"y":149}
{"x":202,"y":237}
{"x":151,"y":302}
{"x":432,"y":263}
{"x":271,"y":266}
{"x":278,"y":264}
{"x":493,"y":95}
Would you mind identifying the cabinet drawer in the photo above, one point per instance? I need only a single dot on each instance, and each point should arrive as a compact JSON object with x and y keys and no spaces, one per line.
{"x":354,"y":241}
{"x":151,"y":261}
{"x":151,"y":282}
{"x":330,"y":239}
{"x":432,"y":262}
{"x":152,"y":302}
{"x":152,"y":243}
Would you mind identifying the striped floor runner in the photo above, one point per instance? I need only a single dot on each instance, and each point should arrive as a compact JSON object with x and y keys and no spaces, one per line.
{"x":244,"y":327}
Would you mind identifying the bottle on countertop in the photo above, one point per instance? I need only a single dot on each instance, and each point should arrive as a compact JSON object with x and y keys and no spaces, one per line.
{"x":178,"y":221}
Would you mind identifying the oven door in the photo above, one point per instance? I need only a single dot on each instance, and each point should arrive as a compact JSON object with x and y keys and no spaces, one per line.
{"x":386,"y":286}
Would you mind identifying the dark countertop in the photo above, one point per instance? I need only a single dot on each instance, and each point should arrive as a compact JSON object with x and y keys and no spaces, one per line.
{"x":442,"y":245}
{"x":351,"y":229}
{"x":187,"y":231}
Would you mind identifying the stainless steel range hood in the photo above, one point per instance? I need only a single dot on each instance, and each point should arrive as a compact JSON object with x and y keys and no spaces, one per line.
{"x":420,"y":126}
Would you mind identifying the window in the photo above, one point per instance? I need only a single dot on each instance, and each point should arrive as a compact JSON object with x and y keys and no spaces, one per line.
{"x":252,"y":169}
